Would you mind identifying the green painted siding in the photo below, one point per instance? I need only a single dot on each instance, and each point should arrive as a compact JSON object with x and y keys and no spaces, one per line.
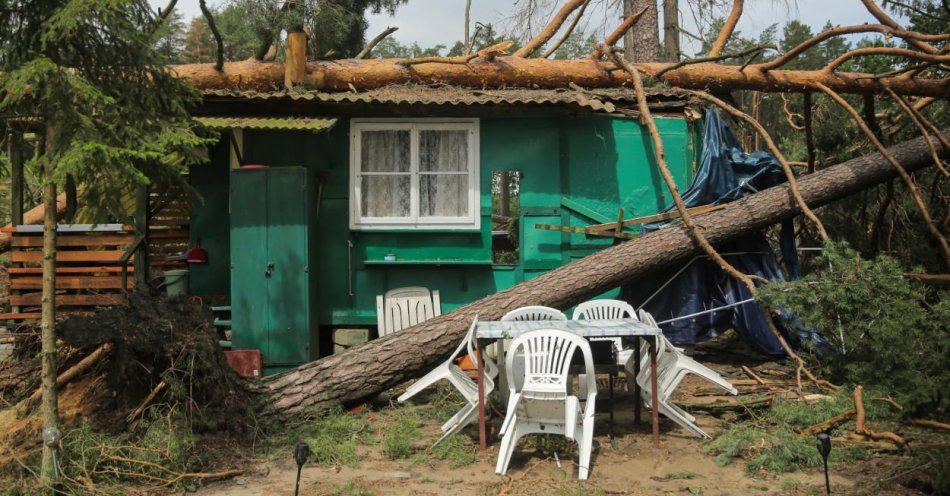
{"x":599,"y":163}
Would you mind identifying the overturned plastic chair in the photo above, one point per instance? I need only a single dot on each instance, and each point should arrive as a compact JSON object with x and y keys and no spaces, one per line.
{"x":401,"y":308}
{"x":451,"y":372}
{"x":542,"y":403}
{"x":672,"y":367}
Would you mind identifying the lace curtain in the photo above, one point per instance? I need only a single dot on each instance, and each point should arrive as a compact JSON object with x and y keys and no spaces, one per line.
{"x":443,"y":173}
{"x":387,"y":174}
{"x":385,"y":165}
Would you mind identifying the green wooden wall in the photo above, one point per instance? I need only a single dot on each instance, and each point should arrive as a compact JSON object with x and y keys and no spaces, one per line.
{"x":594,"y":164}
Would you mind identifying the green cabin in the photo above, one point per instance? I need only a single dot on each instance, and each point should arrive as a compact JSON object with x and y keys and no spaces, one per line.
{"x":314,"y":203}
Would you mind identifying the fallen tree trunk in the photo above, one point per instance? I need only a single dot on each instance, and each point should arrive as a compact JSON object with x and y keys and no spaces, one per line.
{"x":367,"y":370}
{"x":365,"y":74}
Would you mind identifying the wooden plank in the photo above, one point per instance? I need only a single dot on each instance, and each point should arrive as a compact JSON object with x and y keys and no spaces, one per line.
{"x":66,"y":270}
{"x":20,"y":316}
{"x":583,"y":210}
{"x":585,"y":230}
{"x":74,"y":240}
{"x":65,"y":228}
{"x":655,"y":217}
{"x":33,"y":299}
{"x":72,"y":282}
{"x":69,"y":256}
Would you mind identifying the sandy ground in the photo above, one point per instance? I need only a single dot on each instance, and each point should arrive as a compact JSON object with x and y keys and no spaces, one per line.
{"x":628,"y":464}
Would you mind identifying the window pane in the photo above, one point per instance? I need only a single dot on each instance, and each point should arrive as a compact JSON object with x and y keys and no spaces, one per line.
{"x":443,"y":151}
{"x":385,"y":196}
{"x":443,"y":195}
{"x":385,"y":151}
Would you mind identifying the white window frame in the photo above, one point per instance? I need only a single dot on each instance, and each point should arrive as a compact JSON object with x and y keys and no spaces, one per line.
{"x":470,"y":222}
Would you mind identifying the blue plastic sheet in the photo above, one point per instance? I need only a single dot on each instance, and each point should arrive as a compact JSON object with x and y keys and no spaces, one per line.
{"x":725,"y":174}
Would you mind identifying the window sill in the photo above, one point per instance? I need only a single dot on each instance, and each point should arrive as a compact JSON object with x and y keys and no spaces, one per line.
{"x":416,"y":229}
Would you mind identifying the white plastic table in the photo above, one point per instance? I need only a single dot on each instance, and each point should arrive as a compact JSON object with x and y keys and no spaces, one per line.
{"x":491,"y":330}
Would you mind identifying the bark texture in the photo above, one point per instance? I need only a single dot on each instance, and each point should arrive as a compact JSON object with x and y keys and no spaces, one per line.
{"x":642,"y":43}
{"x":671,"y":32}
{"x":366,"y":74}
{"x":49,"y":405}
{"x":367,"y":370}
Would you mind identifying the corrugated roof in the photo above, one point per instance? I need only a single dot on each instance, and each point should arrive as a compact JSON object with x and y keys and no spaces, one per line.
{"x":295,"y":123}
{"x":601,"y":100}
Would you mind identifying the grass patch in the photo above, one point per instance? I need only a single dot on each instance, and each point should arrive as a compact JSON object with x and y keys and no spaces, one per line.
{"x":458,"y":451}
{"x":788,"y":483}
{"x":775,"y":450}
{"x":354,"y":487}
{"x":681,"y":475}
{"x":333,"y":437}
{"x":400,"y":435}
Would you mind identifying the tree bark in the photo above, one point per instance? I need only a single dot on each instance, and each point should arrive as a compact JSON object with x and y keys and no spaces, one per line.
{"x":506,"y":71}
{"x":50,"y":406}
{"x":35,"y":215}
{"x":671,"y":33}
{"x":367,"y":370}
{"x":642,"y":43}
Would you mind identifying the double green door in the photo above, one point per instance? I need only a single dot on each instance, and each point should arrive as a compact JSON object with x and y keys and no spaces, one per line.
{"x":272,"y":298}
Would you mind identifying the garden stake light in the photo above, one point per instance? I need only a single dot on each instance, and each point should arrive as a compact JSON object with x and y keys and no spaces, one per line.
{"x":301,"y":453}
{"x":824,"y":447}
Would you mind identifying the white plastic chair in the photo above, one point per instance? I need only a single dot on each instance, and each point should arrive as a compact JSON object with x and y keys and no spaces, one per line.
{"x":672,"y":367}
{"x":531,"y":313}
{"x":405,"y":307}
{"x":542,"y":404}
{"x":605,"y":310}
{"x":451,"y":372}
{"x":534,"y":313}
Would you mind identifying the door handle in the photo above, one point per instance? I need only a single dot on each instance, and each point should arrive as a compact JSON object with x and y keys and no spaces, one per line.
{"x":270,"y":269}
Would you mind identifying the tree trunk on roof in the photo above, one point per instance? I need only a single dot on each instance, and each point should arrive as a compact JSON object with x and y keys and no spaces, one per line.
{"x":642,"y":42}
{"x":370,"y":369}
{"x":517,"y":72}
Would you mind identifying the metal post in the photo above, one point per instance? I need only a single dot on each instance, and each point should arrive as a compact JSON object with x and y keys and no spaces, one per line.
{"x":15,"y":152}
{"x":141,"y":229}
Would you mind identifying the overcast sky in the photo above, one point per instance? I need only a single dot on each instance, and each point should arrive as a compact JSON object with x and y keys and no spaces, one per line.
{"x":431,"y":22}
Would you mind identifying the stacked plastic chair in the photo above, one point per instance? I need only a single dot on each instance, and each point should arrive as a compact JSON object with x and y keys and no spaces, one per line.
{"x":451,"y":372}
{"x":672,"y":366}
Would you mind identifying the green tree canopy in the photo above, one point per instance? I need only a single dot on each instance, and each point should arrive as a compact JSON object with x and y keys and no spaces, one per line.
{"x":89,"y":74}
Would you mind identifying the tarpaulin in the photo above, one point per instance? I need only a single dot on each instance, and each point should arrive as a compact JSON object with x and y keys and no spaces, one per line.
{"x":725,"y":174}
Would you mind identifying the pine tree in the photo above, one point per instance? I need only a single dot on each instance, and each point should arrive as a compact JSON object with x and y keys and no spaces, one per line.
{"x":111,"y":116}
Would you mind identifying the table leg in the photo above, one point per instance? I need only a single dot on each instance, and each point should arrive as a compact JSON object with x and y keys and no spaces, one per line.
{"x":482,"y":437}
{"x":654,"y":404}
{"x":636,"y":385}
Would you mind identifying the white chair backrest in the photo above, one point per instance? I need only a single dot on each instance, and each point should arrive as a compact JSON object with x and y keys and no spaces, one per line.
{"x":661,"y":341}
{"x":646,"y":317}
{"x":604,"y":309}
{"x":534,"y":313}
{"x":405,"y":307}
{"x":547,"y":361}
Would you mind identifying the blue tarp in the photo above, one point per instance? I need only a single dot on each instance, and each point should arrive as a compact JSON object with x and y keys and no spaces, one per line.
{"x":725,"y":174}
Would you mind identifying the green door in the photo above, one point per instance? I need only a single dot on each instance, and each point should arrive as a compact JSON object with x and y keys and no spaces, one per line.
{"x":248,"y":253}
{"x":271,"y":304}
{"x":288,"y":296}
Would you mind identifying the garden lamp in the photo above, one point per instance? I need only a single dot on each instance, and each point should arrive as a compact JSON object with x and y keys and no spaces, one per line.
{"x":824,"y":447}
{"x":301,"y":453}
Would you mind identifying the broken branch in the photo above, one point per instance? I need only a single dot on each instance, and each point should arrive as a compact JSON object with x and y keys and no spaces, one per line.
{"x":862,"y":429}
{"x":219,"y":64}
{"x":886,"y":20}
{"x":930,"y":423}
{"x":727,"y":29}
{"x":570,"y":29}
{"x":897,"y":52}
{"x":618,"y":33}
{"x":375,"y":41}
{"x":908,"y":181}
{"x":70,"y":374}
{"x":841,"y":31}
{"x":550,"y":30}
{"x":920,"y":126}
{"x":828,"y":424}
{"x":658,"y":74}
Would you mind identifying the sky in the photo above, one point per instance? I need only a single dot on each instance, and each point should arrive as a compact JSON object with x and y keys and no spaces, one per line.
{"x":432,"y":22}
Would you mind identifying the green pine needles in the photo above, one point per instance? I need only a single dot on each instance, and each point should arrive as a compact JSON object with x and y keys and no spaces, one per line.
{"x":87,"y":74}
{"x":886,"y":331}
